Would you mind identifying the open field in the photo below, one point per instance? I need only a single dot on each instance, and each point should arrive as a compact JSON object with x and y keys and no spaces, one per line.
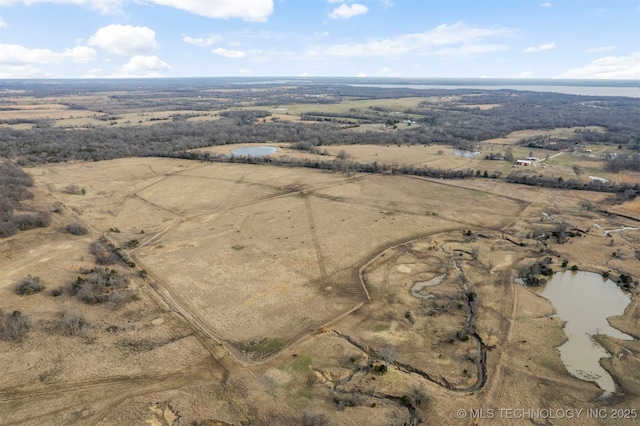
{"x":269,"y":292}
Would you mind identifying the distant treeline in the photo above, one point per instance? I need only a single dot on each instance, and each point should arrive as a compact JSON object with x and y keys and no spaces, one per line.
{"x":625,"y":190}
{"x":456,"y":126}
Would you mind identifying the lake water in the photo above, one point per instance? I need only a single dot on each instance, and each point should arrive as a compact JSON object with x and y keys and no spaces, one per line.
{"x":585,"y":300}
{"x":604,"y":90}
{"x":253,"y":151}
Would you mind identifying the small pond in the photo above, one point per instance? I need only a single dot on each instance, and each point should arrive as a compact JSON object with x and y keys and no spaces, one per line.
{"x":585,"y":300}
{"x":464,"y":153}
{"x":253,"y":151}
{"x":418,"y":286}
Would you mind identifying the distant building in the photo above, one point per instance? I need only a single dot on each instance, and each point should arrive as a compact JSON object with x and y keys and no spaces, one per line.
{"x":532,"y":159}
{"x":524,"y":162}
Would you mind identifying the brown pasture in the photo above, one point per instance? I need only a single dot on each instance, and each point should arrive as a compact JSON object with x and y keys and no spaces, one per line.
{"x":270,"y":290}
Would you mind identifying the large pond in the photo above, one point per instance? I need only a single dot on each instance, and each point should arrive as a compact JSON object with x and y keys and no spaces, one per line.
{"x":253,"y":151}
{"x":585,"y":300}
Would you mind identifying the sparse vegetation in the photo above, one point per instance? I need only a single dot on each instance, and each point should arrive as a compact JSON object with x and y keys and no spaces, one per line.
{"x":531,"y":273}
{"x":101,"y":285}
{"x":14,"y":326}
{"x":76,"y":228}
{"x":74,"y":324}
{"x":74,"y":189}
{"x":103,"y":253}
{"x":30,"y":285}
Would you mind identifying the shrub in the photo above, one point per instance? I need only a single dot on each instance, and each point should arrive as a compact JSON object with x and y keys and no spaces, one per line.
{"x":31,"y":221}
{"x":76,"y":229}
{"x":314,"y":420}
{"x":405,"y":400}
{"x":30,"y":285}
{"x":74,"y":189}
{"x":101,"y":285}
{"x":574,"y":268}
{"x":14,"y":326}
{"x":103,"y":255}
{"x":56,"y":292}
{"x":74,"y":324}
{"x":8,"y":229}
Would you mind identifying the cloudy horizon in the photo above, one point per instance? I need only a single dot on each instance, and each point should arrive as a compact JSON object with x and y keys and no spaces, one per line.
{"x":592,"y":39}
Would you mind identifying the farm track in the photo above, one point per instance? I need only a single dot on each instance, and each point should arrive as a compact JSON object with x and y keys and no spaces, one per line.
{"x":322,"y":264}
{"x":494,"y":388}
{"x":204,"y":212}
{"x":104,"y":393}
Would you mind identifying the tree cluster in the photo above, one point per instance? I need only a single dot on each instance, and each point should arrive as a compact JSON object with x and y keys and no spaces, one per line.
{"x":13,"y":189}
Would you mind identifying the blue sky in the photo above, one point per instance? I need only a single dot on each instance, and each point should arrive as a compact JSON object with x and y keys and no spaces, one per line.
{"x":374,"y":38}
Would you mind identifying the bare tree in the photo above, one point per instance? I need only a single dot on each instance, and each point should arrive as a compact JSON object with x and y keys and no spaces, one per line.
{"x":14,"y":326}
{"x":475,"y":252}
{"x":388,"y":354}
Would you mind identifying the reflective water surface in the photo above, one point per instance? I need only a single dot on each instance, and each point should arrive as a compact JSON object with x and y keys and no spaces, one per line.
{"x":585,"y":300}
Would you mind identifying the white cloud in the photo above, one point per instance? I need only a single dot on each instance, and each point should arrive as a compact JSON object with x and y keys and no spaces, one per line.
{"x":248,"y":10}
{"x":227,"y":53}
{"x":143,"y":66}
{"x":613,"y":67}
{"x":244,"y":71}
{"x":600,"y":49}
{"x":104,"y":6}
{"x":545,"y":4}
{"x":2,"y":23}
{"x":387,"y":72}
{"x":14,"y":54}
{"x":539,"y":48}
{"x":80,"y":54}
{"x":211,"y":40}
{"x":346,"y":12}
{"x":525,"y":74}
{"x":93,"y":73}
{"x":361,"y":74}
{"x":419,"y":43}
{"x":125,"y":39}
{"x":21,"y":71}
{"x":470,"y":49}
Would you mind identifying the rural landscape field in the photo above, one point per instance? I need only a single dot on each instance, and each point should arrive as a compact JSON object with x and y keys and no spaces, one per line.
{"x":380,"y":259}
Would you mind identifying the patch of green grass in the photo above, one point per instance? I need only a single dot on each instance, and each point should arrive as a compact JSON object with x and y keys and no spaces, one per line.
{"x":268,"y":345}
{"x":301,"y":363}
{"x":237,"y":247}
{"x":381,"y":327}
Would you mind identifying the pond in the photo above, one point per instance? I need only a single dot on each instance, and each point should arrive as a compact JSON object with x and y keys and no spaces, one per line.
{"x":585,"y":300}
{"x":253,"y":151}
{"x":418,"y":286}
{"x":464,"y":153}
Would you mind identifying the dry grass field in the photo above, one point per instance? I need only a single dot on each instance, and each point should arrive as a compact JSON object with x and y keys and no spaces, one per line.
{"x":264,"y":294}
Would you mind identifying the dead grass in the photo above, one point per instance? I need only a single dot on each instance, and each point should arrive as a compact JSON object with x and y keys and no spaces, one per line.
{"x":259,"y":257}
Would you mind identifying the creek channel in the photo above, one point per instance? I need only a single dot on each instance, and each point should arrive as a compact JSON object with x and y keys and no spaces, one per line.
{"x":584,"y":301}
